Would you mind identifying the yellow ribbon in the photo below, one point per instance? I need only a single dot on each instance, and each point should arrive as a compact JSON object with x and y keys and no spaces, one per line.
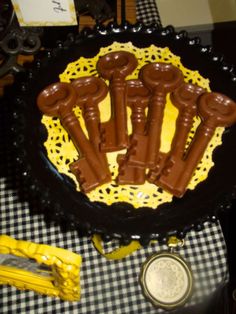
{"x":126,"y":250}
{"x":118,"y":253}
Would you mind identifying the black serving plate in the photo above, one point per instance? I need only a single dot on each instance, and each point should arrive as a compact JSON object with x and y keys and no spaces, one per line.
{"x":57,"y":194}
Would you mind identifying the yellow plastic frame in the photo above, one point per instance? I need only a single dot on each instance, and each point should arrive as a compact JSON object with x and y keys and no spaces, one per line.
{"x":63,"y":280}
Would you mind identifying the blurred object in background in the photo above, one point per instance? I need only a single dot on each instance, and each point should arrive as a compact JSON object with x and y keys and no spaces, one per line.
{"x":14,"y":41}
{"x":110,"y":11}
{"x":25,"y":29}
{"x":99,"y":10}
{"x":197,"y":17}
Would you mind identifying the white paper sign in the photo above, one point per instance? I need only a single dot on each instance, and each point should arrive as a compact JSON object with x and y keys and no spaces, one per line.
{"x":45,"y":12}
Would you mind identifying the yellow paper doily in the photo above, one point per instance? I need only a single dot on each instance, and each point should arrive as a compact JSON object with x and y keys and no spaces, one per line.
{"x":61,"y":151}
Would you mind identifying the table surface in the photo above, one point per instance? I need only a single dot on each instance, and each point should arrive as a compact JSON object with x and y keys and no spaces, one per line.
{"x":107,"y":286}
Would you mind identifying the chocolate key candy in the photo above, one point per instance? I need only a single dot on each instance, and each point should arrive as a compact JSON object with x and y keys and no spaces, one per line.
{"x":90,"y":91}
{"x":160,"y":78}
{"x":137,"y":99}
{"x":58,"y":100}
{"x":185,"y":99}
{"x":214,"y":110}
{"x":115,"y":66}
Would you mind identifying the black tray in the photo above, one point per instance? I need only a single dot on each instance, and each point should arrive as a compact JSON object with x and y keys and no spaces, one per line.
{"x":57,"y":195}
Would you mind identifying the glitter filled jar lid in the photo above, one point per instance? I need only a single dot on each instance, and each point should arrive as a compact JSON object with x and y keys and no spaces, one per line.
{"x":166,"y":280}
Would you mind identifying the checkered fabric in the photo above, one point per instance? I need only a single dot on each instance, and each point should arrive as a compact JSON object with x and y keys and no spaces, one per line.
{"x":147,"y":12}
{"x":107,"y":286}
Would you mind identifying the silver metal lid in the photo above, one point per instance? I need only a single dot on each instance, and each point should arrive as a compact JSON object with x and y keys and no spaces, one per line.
{"x":166,"y":280}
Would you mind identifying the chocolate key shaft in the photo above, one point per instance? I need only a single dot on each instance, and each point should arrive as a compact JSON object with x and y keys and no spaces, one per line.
{"x":160,"y":78}
{"x":58,"y":100}
{"x":214,"y":110}
{"x":137,"y":99}
{"x":90,"y":92}
{"x":184,"y":98}
{"x":115,"y":66}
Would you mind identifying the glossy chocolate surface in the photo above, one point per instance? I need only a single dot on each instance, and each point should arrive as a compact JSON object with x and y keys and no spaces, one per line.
{"x":138,"y":97}
{"x":215,"y":110}
{"x":72,"y":209}
{"x":90,"y":92}
{"x":160,"y":78}
{"x":58,"y":100}
{"x":115,"y":66}
{"x":184,"y":99}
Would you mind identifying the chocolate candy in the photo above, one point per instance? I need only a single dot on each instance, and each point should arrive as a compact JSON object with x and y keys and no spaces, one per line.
{"x":137,"y":99}
{"x":58,"y":100}
{"x":90,"y":91}
{"x":129,"y":174}
{"x":172,"y":171}
{"x":115,"y":66}
{"x":214,"y":110}
{"x":185,"y":99}
{"x":160,"y":78}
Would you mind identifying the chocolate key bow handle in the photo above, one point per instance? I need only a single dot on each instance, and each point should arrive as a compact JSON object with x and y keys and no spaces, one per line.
{"x":115,"y":66}
{"x":160,"y":78}
{"x":90,"y":89}
{"x":215,"y":110}
{"x":58,"y":100}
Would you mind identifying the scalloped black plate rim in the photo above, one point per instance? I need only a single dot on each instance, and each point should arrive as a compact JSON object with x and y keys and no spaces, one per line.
{"x":121,"y":220}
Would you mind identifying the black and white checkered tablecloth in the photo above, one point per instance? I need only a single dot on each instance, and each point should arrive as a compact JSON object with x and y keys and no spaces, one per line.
{"x":147,"y":12}
{"x":106,"y":286}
